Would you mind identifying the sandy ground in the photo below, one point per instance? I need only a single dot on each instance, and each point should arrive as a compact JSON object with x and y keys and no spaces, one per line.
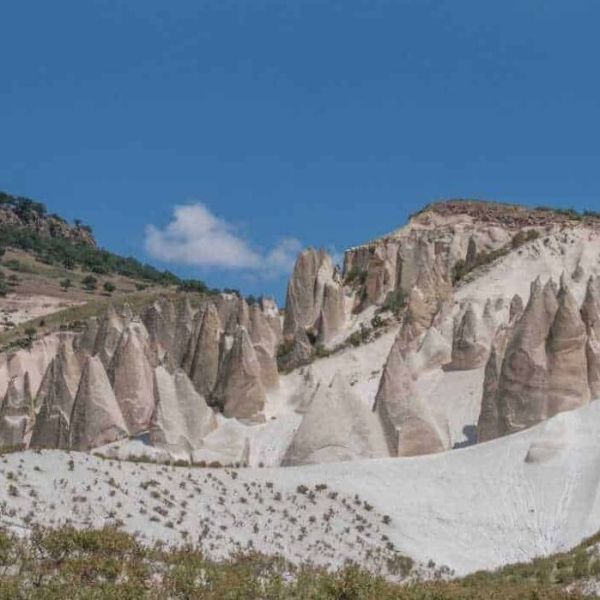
{"x":508,"y":500}
{"x":18,"y":308}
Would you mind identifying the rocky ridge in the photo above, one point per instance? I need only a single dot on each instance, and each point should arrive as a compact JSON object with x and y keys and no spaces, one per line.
{"x":419,"y":344}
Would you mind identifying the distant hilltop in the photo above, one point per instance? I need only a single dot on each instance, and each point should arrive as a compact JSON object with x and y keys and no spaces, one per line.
{"x":17,"y":211}
{"x":514,"y":215}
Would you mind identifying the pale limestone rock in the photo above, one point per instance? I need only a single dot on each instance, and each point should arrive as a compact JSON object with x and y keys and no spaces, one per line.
{"x":16,"y":413}
{"x":70,"y":364}
{"x":488,"y":426}
{"x":271,"y":314}
{"x":567,"y":364}
{"x":304,"y":395}
{"x":86,"y":341}
{"x":181,"y":418}
{"x":184,"y":325}
{"x":305,"y":291}
{"x":227,"y":445}
{"x":433,"y":352}
{"x":332,"y":317}
{"x":233,"y":311}
{"x":336,"y":427}
{"x":470,"y":343}
{"x":160,"y":321}
{"x":55,"y":401}
{"x":204,"y":365}
{"x":516,"y":308}
{"x":407,"y":422}
{"x":590,"y":313}
{"x":265,"y":343}
{"x":239,"y":390}
{"x":96,"y":418}
{"x":489,"y":320}
{"x":298,"y":352}
{"x":131,"y":376}
{"x":550,"y":299}
{"x":110,"y":329}
{"x":523,"y":385}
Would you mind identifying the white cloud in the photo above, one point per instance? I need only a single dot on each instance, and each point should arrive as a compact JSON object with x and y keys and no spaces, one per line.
{"x":195,"y":236}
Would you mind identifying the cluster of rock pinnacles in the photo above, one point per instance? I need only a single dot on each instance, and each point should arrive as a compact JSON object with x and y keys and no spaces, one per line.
{"x":172,"y":372}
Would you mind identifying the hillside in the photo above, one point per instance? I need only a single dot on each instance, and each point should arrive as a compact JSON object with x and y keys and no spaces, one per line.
{"x":434,"y":401}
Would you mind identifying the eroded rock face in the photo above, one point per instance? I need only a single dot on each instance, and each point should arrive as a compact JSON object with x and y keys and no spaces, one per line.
{"x":55,"y":401}
{"x":332,"y":317}
{"x":240,"y":391}
{"x":204,"y":366}
{"x":590,"y":313}
{"x":488,"y":426}
{"x":16,"y":413}
{"x":567,"y":363}
{"x":470,"y":343}
{"x":406,"y":420}
{"x":337,"y":426}
{"x":523,"y":385}
{"x":160,"y":321}
{"x":96,"y":418}
{"x":131,"y":377}
{"x":110,"y":329}
{"x":306,"y":288}
{"x":433,"y":352}
{"x":181,"y":418}
{"x":516,"y":308}
{"x":264,"y":340}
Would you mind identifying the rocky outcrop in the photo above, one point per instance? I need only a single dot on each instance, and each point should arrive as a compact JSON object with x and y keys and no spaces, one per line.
{"x":110,"y":329}
{"x":590,"y":313}
{"x":488,"y":425}
{"x":295,"y":353}
{"x":523,"y":385}
{"x":184,"y":326}
{"x":239,"y":391}
{"x":181,"y":418}
{"x":16,"y":413}
{"x":433,"y":352}
{"x":314,"y":301}
{"x":470,"y":343}
{"x":567,"y":363}
{"x":516,"y":308}
{"x":96,"y":418}
{"x":336,"y":427}
{"x":264,"y":341}
{"x":55,"y":400}
{"x":406,"y":420}
{"x":160,"y":321}
{"x":204,"y":365}
{"x":131,"y":377}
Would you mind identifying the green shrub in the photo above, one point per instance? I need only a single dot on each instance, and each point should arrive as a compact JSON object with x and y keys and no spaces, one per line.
{"x":109,"y":287}
{"x":65,"y":284}
{"x":356,"y":275}
{"x":395,"y":301}
{"x":89,"y":283}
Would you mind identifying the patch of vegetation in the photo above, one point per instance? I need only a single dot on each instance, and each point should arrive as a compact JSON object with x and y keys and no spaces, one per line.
{"x":356,"y":275}
{"x":462,"y":267}
{"x":395,"y":301}
{"x":59,"y":251}
{"x":110,"y":564}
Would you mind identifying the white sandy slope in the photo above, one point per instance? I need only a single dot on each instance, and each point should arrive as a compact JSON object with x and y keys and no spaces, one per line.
{"x":505,"y":501}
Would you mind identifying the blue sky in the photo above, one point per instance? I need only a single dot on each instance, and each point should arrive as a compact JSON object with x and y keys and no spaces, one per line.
{"x":216,"y":137}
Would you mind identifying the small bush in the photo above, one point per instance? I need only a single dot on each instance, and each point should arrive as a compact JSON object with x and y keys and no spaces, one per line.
{"x":89,"y":283}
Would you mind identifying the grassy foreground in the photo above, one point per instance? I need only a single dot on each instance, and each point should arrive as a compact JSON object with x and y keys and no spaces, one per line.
{"x":108,"y":563}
